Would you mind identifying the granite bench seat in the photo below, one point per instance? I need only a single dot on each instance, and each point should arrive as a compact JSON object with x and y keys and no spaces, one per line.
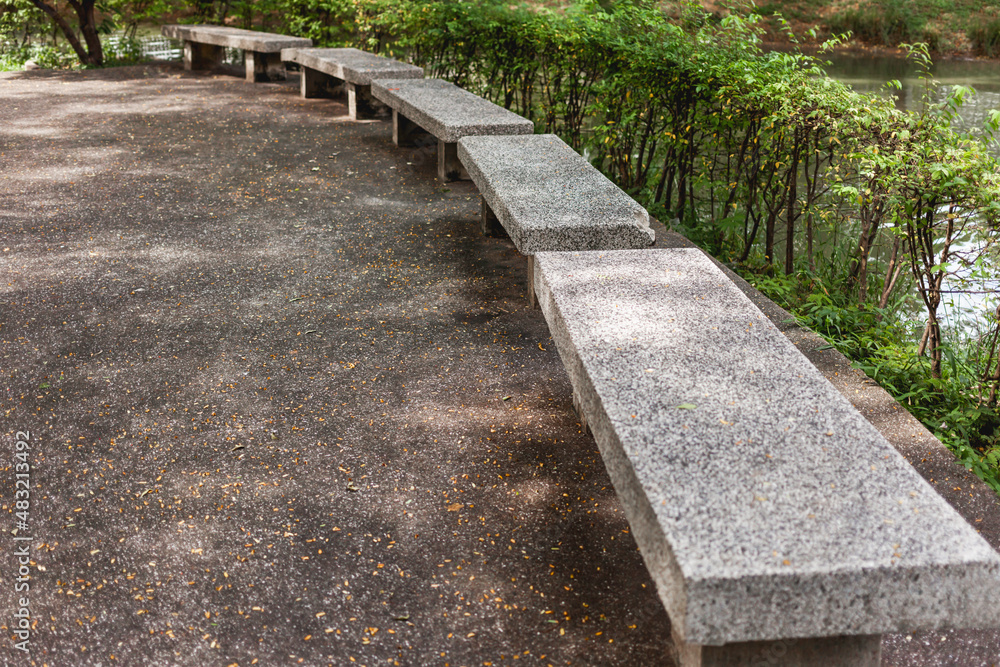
{"x":546,"y":196}
{"x":448,"y":113}
{"x":204,"y":48}
{"x":778,"y":524}
{"x":325,"y":69}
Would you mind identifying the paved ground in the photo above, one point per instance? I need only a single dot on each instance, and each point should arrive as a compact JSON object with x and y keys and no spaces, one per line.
{"x":286,"y":405}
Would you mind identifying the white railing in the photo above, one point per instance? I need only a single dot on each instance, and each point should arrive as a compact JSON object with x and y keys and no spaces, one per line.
{"x":152,"y":46}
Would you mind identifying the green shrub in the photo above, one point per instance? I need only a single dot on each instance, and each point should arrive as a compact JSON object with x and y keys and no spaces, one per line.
{"x":986,"y":38}
{"x":888,"y":22}
{"x":124,"y":51}
{"x":43,"y":55}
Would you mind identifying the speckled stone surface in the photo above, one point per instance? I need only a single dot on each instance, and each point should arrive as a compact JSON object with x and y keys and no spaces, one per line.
{"x":447,"y":111}
{"x":352,"y":65}
{"x":548,"y":197}
{"x":764,"y":505}
{"x":235,"y":38}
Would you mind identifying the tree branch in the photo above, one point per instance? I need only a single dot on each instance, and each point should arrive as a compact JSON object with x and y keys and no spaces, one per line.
{"x":65,"y":27}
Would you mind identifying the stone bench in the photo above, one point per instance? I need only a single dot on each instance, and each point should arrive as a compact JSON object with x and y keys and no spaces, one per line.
{"x":324,"y":69}
{"x":779,"y":526}
{"x":448,"y":113}
{"x":204,"y":48}
{"x":546,"y":196}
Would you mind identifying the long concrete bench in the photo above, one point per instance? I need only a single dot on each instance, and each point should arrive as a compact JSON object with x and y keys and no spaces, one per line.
{"x":779,"y":526}
{"x":325,"y":69}
{"x":448,"y":113}
{"x":546,"y":196}
{"x":205,"y":45}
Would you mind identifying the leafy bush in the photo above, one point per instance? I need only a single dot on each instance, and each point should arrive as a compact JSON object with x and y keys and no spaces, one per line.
{"x":889,"y":22}
{"x":45,"y":56}
{"x":986,"y":38}
{"x":123,"y":51}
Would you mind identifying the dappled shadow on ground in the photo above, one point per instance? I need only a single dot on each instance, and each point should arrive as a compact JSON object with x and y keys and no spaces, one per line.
{"x":286,"y":403}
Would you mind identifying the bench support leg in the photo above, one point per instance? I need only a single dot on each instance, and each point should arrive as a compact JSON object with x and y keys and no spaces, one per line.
{"x":450,"y":168}
{"x":578,"y":408}
{"x":314,"y":83}
{"x":533,"y":300}
{"x":202,"y":56}
{"x":491,"y":224}
{"x":361,"y":104}
{"x":848,"y":651}
{"x":264,"y":66}
{"x":405,"y":133}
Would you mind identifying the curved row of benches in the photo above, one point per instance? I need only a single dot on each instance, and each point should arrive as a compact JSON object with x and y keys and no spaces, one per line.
{"x":779,"y":525}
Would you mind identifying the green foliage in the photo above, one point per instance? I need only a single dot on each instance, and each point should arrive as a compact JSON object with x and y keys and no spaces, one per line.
{"x":985,"y":38}
{"x":43,"y":55}
{"x":889,"y":22}
{"x":19,"y":20}
{"x":27,"y":33}
{"x":20,"y":24}
{"x":127,"y":15}
{"x":942,"y":24}
{"x":125,"y":51}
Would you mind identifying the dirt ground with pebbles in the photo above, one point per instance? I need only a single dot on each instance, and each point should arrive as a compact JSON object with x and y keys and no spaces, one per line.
{"x":286,"y":404}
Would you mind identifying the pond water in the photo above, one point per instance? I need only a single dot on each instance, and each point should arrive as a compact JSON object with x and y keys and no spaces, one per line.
{"x":869,"y":74}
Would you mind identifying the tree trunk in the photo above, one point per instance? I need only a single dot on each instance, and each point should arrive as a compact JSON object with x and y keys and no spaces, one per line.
{"x":891,"y":274}
{"x":63,"y":27}
{"x":923,"y":341}
{"x":793,"y":177}
{"x":993,"y":379}
{"x":769,"y":224}
{"x":871,"y":217}
{"x":93,"y":54}
{"x":934,"y":343}
{"x":862,"y":274}
{"x":812,"y":184}
{"x":88,"y":26}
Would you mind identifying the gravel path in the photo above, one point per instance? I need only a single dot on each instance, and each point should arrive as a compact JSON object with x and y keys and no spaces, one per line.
{"x":286,"y":404}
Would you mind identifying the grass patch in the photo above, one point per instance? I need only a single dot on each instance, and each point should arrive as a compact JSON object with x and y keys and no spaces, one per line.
{"x":949,"y":26}
{"x":986,"y":38}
